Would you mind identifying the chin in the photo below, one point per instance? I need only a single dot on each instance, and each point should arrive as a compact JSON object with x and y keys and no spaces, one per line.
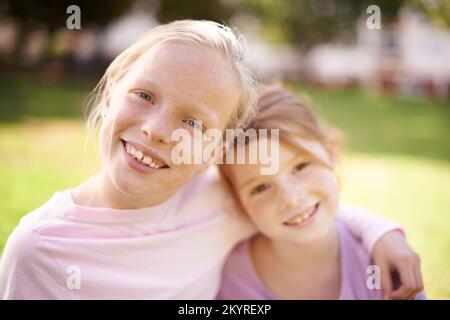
{"x":127,"y":183}
{"x":312,"y":235}
{"x":308,"y":238}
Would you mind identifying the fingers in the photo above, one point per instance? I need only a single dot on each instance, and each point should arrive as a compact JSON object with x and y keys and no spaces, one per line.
{"x":408,"y":285}
{"x":419,"y":280}
{"x":386,"y":280}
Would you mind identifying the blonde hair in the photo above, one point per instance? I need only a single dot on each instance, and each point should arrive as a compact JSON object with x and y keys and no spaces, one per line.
{"x":229,"y":43}
{"x":278,"y":108}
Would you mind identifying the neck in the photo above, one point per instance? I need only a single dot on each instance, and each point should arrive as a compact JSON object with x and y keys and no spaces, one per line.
{"x":322,"y":251}
{"x":100,"y":191}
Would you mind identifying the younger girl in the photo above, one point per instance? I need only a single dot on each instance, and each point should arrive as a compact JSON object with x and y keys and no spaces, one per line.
{"x":303,"y":251}
{"x":145,"y":227}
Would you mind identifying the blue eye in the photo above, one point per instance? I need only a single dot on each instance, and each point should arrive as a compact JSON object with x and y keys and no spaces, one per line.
{"x":145,"y":96}
{"x":194,"y":124}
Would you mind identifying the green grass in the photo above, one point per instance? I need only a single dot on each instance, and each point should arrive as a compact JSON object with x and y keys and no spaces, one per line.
{"x":23,"y":97}
{"x":396,"y":163}
{"x":374,"y":123}
{"x":38,"y":158}
{"x":415,"y":193}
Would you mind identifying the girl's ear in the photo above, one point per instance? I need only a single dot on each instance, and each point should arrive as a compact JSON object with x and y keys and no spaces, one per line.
{"x":215,"y":159}
{"x":221,"y":152}
{"x":332,"y":150}
{"x":108,"y":93}
{"x":107,"y":99}
{"x":219,"y":155}
{"x":334,"y":146}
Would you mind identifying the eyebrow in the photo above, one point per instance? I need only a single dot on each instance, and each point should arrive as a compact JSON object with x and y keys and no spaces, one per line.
{"x":144,"y":81}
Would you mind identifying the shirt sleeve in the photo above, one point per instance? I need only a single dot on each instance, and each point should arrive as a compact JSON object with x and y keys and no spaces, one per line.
{"x":365,"y":225}
{"x":421,"y":296}
{"x":27,"y":268}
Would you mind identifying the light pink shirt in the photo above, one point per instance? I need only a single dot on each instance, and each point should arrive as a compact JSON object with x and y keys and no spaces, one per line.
{"x":171,"y":251}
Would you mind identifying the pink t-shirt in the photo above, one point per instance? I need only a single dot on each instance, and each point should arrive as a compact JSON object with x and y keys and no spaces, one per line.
{"x":175,"y":250}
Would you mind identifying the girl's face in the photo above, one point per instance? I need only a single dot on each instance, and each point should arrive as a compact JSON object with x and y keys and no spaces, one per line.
{"x":297,"y":204}
{"x":173,"y":85}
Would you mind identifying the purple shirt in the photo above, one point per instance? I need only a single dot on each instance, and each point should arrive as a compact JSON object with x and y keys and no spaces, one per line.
{"x":240,"y":280}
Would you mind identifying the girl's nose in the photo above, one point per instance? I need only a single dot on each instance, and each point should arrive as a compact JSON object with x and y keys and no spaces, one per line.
{"x":158,"y":127}
{"x":292,"y":196}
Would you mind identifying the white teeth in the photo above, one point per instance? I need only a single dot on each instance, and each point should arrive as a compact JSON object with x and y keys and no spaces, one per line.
{"x":301,"y":217}
{"x":139,"y":155}
{"x":308,"y":213}
{"x":147,"y":160}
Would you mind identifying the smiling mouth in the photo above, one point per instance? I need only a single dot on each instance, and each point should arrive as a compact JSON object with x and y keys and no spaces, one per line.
{"x":142,"y":157}
{"x":302,"y":217}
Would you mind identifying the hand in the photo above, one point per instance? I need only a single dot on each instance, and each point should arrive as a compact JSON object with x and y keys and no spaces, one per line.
{"x":393,"y":255}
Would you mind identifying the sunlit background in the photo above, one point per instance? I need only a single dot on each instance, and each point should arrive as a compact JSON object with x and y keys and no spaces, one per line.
{"x":388,"y":90}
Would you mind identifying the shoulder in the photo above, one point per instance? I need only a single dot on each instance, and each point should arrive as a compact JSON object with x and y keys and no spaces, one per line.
{"x":236,"y":272}
{"x":346,"y":208}
{"x":240,"y":280}
{"x":34,"y":224}
{"x":365,"y":224}
{"x":357,"y":267}
{"x":351,"y":244}
{"x":211,"y":184}
{"x":56,"y":207}
{"x":27,"y":260}
{"x":27,"y":267}
{"x":238,"y":261}
{"x":210,"y":190}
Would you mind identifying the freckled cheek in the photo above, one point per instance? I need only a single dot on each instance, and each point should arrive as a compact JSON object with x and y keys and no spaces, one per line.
{"x":262,"y":213}
{"x":106,"y":140}
{"x":126,"y":114}
{"x":325,"y":185}
{"x":185,"y":172}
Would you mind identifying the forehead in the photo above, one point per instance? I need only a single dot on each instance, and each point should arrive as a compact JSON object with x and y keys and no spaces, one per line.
{"x":287,"y":153}
{"x":243,"y":172}
{"x":189,"y":74}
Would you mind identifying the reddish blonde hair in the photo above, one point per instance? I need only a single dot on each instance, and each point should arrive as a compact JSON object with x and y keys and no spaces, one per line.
{"x":278,"y":108}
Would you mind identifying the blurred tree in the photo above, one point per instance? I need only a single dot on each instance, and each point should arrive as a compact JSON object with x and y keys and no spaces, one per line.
{"x":50,"y":15}
{"x":309,"y":22}
{"x":302,"y":22}
{"x":437,"y":10}
{"x":216,"y":10}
